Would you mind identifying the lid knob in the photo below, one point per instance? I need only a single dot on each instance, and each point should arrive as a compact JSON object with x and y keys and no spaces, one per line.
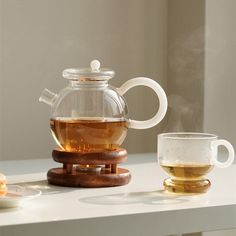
{"x":95,"y":65}
{"x":94,"y":72}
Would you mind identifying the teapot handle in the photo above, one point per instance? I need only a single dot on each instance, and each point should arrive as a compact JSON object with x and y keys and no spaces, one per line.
{"x":136,"y":124}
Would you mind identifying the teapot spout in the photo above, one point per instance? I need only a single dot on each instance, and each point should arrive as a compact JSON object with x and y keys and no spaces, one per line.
{"x":48,"y":97}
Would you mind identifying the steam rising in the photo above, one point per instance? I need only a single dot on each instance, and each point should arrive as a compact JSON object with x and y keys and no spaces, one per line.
{"x":185,"y":81}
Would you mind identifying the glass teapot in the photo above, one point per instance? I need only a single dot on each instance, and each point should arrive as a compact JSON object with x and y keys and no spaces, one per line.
{"x":91,"y":115}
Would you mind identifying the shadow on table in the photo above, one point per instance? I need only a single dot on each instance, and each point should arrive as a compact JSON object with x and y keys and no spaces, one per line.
{"x":150,"y":198}
{"x":43,"y":186}
{"x":46,"y":188}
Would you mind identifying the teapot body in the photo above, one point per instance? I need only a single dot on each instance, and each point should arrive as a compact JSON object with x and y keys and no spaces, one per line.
{"x":89,"y":116}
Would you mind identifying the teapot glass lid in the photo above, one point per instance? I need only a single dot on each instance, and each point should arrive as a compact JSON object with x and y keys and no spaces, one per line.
{"x":92,"y":73}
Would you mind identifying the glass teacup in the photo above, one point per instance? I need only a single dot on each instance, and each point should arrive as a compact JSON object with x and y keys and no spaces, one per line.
{"x":188,"y":157}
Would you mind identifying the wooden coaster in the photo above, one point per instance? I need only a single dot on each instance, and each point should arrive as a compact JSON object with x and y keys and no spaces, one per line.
{"x":90,"y":158}
{"x":90,"y":169}
{"x":59,"y":176}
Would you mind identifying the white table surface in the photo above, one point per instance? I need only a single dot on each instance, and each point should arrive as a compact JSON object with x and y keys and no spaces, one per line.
{"x":139,"y":208}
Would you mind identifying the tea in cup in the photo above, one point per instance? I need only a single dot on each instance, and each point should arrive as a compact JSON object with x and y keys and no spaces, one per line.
{"x":188,"y":157}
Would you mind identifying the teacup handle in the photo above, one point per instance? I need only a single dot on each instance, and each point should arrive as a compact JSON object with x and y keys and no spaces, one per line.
{"x":136,"y":124}
{"x":228,"y":146}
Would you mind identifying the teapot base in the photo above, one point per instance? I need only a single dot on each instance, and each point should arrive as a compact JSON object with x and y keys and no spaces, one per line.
{"x":89,"y":170}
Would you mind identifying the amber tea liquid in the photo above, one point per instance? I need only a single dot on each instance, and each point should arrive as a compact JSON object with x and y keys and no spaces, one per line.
{"x":187,"y":178}
{"x":86,"y":135}
{"x":187,"y":171}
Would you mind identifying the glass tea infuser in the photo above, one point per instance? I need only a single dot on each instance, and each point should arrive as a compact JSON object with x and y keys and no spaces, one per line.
{"x":89,"y":122}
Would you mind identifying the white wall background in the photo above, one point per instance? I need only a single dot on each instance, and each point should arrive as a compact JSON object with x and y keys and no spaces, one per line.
{"x":41,"y":38}
{"x":220,"y":69}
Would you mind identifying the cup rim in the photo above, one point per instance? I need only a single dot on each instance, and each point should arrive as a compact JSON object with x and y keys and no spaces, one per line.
{"x":187,"y":136}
